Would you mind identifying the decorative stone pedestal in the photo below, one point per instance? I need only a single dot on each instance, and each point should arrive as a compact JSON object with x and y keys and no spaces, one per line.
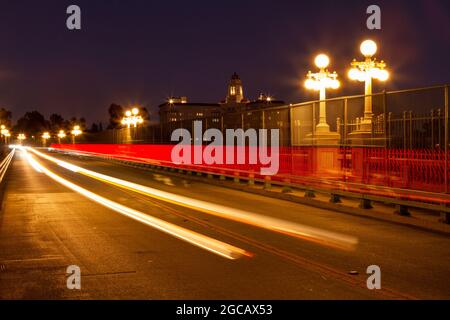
{"x":325,"y":155}
{"x":360,"y":138}
{"x":326,"y":138}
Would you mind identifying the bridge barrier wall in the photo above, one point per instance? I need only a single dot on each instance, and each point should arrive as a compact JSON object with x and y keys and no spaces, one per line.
{"x":417,"y":174}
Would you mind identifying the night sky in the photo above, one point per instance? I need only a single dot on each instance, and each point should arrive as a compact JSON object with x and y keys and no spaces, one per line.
{"x":141,"y":52}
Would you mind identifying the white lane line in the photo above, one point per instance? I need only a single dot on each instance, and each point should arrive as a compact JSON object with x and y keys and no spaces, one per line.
{"x":212,"y":245}
{"x":317,"y":235}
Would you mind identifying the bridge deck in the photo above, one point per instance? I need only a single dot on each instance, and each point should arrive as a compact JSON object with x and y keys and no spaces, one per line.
{"x":45,"y":227}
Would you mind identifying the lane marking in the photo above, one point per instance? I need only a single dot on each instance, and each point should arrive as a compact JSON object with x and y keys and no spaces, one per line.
{"x":300,"y":261}
{"x":212,"y":245}
{"x":316,"y":235}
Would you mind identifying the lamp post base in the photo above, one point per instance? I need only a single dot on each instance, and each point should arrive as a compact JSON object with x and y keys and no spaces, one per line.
{"x":325,"y":138}
{"x":324,"y":153}
{"x":366,"y":124}
{"x":322,"y":128}
{"x":366,"y":139}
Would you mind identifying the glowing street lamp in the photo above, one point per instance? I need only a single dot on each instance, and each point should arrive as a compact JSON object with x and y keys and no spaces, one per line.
{"x":45,"y":137}
{"x":365,"y":71}
{"x":321,"y":81}
{"x":61,"y":135}
{"x":132,"y":118}
{"x":75,"y":132}
{"x":4,"y":132}
{"x":21,"y":137}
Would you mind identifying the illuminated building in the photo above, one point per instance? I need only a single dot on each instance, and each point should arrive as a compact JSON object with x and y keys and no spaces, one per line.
{"x":180,"y":113}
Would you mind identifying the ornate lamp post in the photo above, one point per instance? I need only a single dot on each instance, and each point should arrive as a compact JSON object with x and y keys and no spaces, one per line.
{"x":75,"y":132}
{"x":365,"y":71}
{"x":132,"y":118}
{"x":45,"y":137}
{"x":21,"y":137}
{"x":4,"y":132}
{"x":61,"y":135}
{"x":320,"y":81}
{"x":7,"y":135}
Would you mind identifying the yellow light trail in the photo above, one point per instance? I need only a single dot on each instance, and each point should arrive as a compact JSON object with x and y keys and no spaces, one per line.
{"x":5,"y":164}
{"x":215,"y":246}
{"x":320,"y":236}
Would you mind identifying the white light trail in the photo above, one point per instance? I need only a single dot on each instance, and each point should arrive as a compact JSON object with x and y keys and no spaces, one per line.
{"x":215,"y":246}
{"x":286,"y":227}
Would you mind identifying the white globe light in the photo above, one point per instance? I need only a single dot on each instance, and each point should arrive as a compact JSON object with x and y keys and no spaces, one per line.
{"x":135,"y":111}
{"x":368,"y":48}
{"x":309,"y":84}
{"x":335,"y":84}
{"x":383,"y":75}
{"x":353,"y":74}
{"x":322,"y":61}
{"x":128,"y":113}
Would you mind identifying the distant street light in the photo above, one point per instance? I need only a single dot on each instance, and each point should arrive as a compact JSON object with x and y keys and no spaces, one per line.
{"x":61,"y":135}
{"x":21,"y":137}
{"x":321,"y":81}
{"x":75,"y":132}
{"x":45,"y":137}
{"x":7,"y":135}
{"x":365,"y":71}
{"x":132,"y":117}
{"x":4,"y":132}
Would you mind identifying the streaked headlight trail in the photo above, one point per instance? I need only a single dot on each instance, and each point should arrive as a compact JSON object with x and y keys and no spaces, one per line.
{"x":215,"y":246}
{"x":320,"y":236}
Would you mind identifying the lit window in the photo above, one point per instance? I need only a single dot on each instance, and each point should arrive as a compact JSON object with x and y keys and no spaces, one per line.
{"x":233,"y":90}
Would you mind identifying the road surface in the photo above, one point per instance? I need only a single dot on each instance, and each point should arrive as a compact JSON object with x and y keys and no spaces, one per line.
{"x":46,"y":227}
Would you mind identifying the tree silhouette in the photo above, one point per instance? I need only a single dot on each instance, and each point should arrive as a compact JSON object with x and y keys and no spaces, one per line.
{"x":32,"y":123}
{"x":115,"y":116}
{"x":143,"y":112}
{"x":5,"y":117}
{"x":56,"y":123}
{"x":74,"y":121}
{"x":94,"y":128}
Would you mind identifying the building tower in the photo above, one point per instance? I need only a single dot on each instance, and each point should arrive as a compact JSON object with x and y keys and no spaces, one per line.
{"x":235,"y":91}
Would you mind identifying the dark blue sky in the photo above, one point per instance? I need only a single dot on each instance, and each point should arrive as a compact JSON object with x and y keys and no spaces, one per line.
{"x":133,"y":51}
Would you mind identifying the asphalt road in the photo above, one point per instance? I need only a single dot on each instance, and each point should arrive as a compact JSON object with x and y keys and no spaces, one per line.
{"x":45,"y":227}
